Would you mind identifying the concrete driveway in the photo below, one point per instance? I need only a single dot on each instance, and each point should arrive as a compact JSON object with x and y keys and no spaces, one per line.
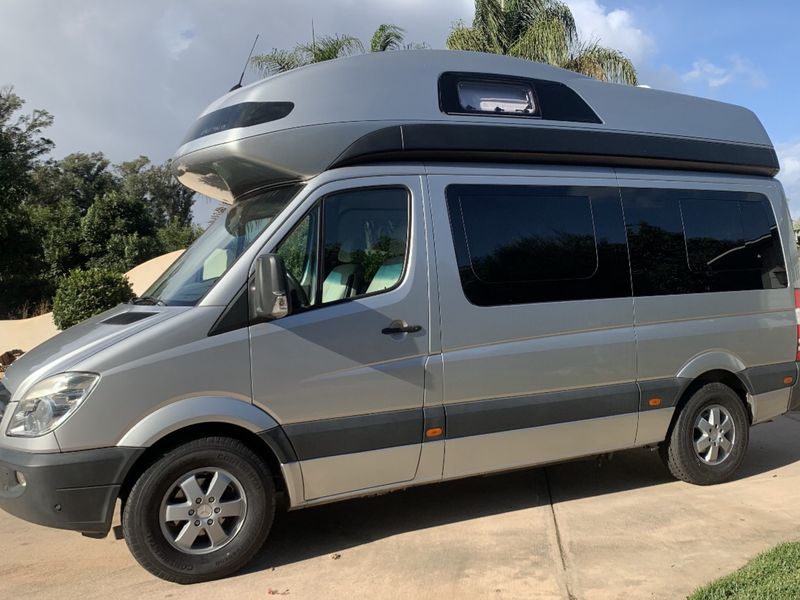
{"x":622,"y":529}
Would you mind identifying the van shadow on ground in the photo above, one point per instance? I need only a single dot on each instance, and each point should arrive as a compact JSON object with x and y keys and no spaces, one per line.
{"x":313,"y":532}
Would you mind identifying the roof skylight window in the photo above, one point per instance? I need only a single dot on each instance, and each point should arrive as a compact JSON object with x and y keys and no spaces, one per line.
{"x":497,"y":98}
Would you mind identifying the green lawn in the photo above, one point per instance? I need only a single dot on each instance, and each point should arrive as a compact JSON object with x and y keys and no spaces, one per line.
{"x":773,"y":575}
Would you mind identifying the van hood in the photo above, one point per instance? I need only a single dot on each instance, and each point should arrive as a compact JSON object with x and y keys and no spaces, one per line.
{"x":61,"y":352}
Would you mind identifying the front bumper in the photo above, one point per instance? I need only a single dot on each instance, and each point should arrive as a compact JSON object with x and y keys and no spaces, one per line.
{"x":68,"y":490}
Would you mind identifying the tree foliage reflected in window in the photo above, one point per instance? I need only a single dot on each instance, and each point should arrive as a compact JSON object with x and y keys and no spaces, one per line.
{"x":690,"y":241}
{"x":525,"y":244}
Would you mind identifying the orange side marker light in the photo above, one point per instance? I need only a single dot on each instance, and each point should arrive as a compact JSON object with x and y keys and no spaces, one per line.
{"x":654,"y":402}
{"x":788,"y":380}
{"x":434,"y":432}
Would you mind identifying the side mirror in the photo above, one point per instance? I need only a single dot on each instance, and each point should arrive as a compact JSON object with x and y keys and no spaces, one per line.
{"x":268,"y":290}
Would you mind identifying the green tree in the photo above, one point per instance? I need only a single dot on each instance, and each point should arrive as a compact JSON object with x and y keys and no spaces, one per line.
{"x":176,"y":236}
{"x":78,"y":178}
{"x":22,"y":144}
{"x":386,"y":37}
{"x":155,"y":186}
{"x":60,"y":215}
{"x":326,"y":47}
{"x":539,"y":30}
{"x":60,"y":228}
{"x":121,"y":215}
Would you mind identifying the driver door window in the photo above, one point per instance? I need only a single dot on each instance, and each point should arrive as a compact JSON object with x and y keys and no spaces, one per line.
{"x":362,"y":252}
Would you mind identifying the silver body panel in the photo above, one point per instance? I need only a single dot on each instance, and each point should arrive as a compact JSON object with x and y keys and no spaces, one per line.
{"x":331,"y":364}
{"x":329,"y":115}
{"x":334,"y":362}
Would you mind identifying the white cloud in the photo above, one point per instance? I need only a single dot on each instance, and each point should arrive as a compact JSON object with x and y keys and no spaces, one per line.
{"x":128,"y":78}
{"x":714,"y":76}
{"x":616,"y":29}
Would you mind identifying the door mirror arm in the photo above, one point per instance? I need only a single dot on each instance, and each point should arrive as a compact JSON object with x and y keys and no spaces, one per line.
{"x":268,"y":290}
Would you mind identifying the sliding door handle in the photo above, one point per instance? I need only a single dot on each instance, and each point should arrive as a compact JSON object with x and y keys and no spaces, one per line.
{"x":400,"y":327}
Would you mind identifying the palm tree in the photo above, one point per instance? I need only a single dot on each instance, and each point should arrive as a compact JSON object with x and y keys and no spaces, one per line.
{"x":325,"y":48}
{"x":540,"y":30}
{"x":386,"y":37}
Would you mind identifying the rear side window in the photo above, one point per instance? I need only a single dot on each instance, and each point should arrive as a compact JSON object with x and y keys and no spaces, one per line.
{"x":691,"y":241}
{"x":523,"y":244}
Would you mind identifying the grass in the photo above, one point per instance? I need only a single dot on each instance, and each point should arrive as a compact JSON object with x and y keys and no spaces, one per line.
{"x":773,"y":575}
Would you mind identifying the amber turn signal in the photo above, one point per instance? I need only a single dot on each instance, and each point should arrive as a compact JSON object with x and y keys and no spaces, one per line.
{"x":434,"y":432}
{"x":654,"y":402}
{"x":788,"y":380}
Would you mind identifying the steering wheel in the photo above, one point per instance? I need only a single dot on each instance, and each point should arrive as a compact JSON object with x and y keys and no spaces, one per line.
{"x":296,"y":291}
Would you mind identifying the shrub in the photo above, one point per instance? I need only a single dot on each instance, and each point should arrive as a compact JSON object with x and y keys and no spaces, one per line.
{"x":86,"y":293}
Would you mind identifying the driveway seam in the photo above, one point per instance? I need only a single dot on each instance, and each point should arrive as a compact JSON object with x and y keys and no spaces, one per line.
{"x":559,"y":543}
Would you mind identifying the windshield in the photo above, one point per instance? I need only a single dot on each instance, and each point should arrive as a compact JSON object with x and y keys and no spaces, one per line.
{"x":199,"y":268}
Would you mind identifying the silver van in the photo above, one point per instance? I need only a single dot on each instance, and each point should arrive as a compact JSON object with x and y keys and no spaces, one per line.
{"x":434,"y":265}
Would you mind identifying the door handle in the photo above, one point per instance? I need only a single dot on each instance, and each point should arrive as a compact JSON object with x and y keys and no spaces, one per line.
{"x":400,"y":327}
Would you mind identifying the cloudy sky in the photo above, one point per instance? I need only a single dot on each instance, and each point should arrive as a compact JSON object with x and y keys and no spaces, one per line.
{"x":128,"y":78}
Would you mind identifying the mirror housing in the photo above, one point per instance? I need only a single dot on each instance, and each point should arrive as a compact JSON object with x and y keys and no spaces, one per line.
{"x":268,"y":289}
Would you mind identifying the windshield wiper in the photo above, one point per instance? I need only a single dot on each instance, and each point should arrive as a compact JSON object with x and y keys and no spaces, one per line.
{"x":149,"y":300}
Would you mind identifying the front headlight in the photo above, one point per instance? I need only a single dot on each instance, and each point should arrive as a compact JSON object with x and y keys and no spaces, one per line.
{"x":48,"y":403}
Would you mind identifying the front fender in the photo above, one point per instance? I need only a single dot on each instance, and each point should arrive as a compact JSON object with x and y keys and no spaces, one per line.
{"x":193,"y":411}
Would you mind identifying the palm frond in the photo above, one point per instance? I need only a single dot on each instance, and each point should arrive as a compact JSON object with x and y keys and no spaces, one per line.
{"x":560,"y":11}
{"x":277,"y":61}
{"x":605,"y":64}
{"x":519,"y":15}
{"x":387,"y":37}
{"x":465,"y":38}
{"x":329,"y":47}
{"x":545,"y":40}
{"x":489,"y":21}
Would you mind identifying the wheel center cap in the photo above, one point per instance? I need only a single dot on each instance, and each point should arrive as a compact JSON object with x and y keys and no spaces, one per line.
{"x":204,"y":511}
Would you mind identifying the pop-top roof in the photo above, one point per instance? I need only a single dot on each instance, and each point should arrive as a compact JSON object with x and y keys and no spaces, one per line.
{"x":434,"y":105}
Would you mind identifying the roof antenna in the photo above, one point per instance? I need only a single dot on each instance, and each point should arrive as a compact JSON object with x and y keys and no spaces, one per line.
{"x":247,"y":62}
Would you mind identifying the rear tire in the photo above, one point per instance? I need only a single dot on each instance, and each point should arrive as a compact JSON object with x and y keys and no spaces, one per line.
{"x":709,"y":439}
{"x":200,"y":512}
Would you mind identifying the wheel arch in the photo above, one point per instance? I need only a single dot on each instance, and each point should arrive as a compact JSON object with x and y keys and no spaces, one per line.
{"x":729,"y":378}
{"x":173,"y":439}
{"x":197,"y":417}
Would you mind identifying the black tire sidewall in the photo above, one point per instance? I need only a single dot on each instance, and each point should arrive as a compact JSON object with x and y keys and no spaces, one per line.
{"x":682,"y":451}
{"x":141,"y":518}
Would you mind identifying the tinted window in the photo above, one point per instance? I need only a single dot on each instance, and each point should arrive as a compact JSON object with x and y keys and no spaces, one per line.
{"x":518,"y":237}
{"x":520,"y":244}
{"x":689,"y":241}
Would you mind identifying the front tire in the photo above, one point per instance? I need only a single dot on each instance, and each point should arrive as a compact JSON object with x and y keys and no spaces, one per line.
{"x":710,"y":437}
{"x":200,"y":512}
